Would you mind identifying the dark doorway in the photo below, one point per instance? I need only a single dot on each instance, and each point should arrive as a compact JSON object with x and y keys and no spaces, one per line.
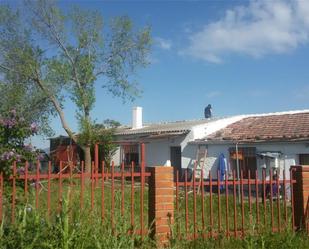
{"x":176,"y":159}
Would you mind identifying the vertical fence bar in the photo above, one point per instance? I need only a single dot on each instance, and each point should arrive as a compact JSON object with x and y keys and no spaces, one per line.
{"x":186,"y":202}
{"x":227,"y":205}
{"x":113,"y":196}
{"x":292,"y":198}
{"x":102,"y":192}
{"x":71,"y":185}
{"x":210,"y":205}
{"x":242,"y":203}
{"x":278,"y":202}
{"x":60,"y":187}
{"x":13,"y":191}
{"x":257,"y":199}
{"x":202,"y":196}
{"x":37,"y":180}
{"x":194,"y":203}
{"x":132,"y":196}
{"x":284,"y":199}
{"x":271,"y":200}
{"x":177,"y":204}
{"x":96,"y":159}
{"x":249,"y":196}
{"x":235,"y":207}
{"x":48,"y":189}
{"x":264,"y":195}
{"x":92,"y":184}
{"x":142,"y":189}
{"x":82,"y":185}
{"x":122,"y":189}
{"x":26,"y":180}
{"x":219,"y":201}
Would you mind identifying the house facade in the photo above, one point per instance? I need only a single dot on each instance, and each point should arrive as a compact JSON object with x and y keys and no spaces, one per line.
{"x":166,"y":143}
{"x":273,"y":141}
{"x":268,"y":141}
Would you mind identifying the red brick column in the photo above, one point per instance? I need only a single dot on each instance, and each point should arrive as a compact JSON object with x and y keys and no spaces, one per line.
{"x":301,"y":193}
{"x":161,"y":203}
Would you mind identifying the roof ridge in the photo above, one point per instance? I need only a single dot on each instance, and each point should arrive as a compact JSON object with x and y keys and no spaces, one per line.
{"x":174,"y":122}
{"x":277,"y":113}
{"x":218,"y":118}
{"x":185,"y":120}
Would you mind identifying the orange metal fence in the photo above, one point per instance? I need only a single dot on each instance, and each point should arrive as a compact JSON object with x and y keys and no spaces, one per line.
{"x":231,"y":206}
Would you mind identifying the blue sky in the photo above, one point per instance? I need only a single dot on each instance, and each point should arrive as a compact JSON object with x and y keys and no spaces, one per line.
{"x":240,"y":56}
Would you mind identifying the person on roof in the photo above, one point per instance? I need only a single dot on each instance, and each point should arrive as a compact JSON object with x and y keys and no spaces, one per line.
{"x":208,"y":111}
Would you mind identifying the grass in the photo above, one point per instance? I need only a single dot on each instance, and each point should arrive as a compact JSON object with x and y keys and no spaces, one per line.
{"x":75,"y":227}
{"x":284,"y":240}
{"x":223,"y":218}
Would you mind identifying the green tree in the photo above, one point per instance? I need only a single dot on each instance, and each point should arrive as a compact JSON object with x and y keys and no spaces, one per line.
{"x":105,"y":136}
{"x":67,"y":53}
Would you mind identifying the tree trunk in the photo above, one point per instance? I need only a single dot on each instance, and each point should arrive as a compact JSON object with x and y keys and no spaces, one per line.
{"x":87,"y":155}
{"x":86,"y":148}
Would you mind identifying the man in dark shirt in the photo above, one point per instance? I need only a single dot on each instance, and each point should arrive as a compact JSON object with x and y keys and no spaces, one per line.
{"x":207,"y":111}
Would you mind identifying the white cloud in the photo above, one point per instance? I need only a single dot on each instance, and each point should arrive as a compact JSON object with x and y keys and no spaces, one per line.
{"x":163,"y":43}
{"x":213,"y":94}
{"x":260,"y":28}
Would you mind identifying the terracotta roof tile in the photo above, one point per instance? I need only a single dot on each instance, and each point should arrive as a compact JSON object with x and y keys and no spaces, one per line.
{"x":271,"y":127}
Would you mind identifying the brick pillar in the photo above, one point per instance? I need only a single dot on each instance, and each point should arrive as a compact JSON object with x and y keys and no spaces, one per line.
{"x":301,"y":193}
{"x":161,"y":203}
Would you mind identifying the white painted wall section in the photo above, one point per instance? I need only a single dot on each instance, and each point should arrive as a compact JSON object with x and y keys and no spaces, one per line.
{"x":189,"y":151}
{"x":290,"y":155}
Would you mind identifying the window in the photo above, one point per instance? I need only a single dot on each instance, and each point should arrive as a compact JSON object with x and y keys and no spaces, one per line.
{"x":304,"y":159}
{"x":246,"y":158}
{"x":131,"y":154}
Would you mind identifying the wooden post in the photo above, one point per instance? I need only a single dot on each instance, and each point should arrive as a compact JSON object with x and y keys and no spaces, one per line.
{"x":161,"y":203}
{"x":301,"y":192}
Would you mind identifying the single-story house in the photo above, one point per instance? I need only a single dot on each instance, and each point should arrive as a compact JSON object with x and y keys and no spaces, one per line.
{"x":248,"y":142}
{"x":166,"y":143}
{"x":272,"y":141}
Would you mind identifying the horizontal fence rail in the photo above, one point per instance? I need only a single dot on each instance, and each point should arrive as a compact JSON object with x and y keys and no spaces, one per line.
{"x":206,"y":204}
{"x":218,"y":204}
{"x":109,"y":191}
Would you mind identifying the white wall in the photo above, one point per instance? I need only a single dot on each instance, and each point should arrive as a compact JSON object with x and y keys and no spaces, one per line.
{"x":189,"y":152}
{"x":290,"y":152}
{"x":157,"y":151}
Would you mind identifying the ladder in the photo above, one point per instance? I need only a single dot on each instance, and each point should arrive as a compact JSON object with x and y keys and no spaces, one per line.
{"x":200,"y":163}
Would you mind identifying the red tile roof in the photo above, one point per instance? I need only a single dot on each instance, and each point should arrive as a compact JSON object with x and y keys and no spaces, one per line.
{"x":264,"y":128}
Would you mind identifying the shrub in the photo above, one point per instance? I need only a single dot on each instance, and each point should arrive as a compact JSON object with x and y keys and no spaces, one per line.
{"x":14,"y":131}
